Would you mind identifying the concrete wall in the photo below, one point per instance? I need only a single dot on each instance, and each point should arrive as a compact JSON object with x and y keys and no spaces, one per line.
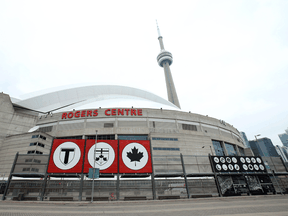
{"x":21,"y":143}
{"x":11,"y":121}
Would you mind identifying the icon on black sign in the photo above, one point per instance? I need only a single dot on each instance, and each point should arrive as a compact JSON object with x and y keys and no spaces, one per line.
{"x":222,"y":159}
{"x":228,"y":159}
{"x":250,"y":166}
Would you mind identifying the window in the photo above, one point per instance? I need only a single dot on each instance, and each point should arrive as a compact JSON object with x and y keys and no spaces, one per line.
{"x":166,"y":139}
{"x":30,"y":152}
{"x":26,"y":169}
{"x":28,"y":160}
{"x":101,"y":137}
{"x":166,"y":149}
{"x":43,"y":137}
{"x":70,"y":137}
{"x":40,"y":136}
{"x":218,"y":148}
{"x":41,"y":145}
{"x":189,"y":127}
{"x":39,"y":152}
{"x":37,"y":143}
{"x":46,"y":129}
{"x":241,"y":150}
{"x":108,"y":125}
{"x":132,"y":137}
{"x":35,"y":170}
{"x":231,"y":149}
{"x":36,"y":161}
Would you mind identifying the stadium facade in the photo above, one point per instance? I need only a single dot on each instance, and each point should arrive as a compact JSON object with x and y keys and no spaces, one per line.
{"x":119,"y":115}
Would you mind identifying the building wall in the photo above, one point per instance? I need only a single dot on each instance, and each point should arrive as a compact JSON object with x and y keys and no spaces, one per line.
{"x":171,"y":132}
{"x":282,"y":151}
{"x":244,"y":137}
{"x":13,"y":121}
{"x":21,"y":143}
{"x":263,"y":147}
{"x":284,"y":139}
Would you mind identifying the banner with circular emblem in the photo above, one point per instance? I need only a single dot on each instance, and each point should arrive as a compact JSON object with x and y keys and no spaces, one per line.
{"x":66,"y":156}
{"x":135,"y":156}
{"x":103,"y":155}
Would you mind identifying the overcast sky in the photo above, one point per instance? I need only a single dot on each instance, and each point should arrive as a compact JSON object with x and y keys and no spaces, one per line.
{"x":230,"y":57}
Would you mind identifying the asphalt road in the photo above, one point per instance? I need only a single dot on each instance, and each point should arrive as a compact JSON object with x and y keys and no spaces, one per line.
{"x":239,"y":206}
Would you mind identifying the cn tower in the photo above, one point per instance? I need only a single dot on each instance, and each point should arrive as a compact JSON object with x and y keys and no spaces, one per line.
{"x":164,"y":60}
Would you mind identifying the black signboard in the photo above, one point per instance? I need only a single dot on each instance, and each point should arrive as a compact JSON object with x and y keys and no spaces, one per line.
{"x":238,"y":164}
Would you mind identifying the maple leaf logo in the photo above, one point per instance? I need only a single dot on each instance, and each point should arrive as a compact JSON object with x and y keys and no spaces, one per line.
{"x":134,"y":155}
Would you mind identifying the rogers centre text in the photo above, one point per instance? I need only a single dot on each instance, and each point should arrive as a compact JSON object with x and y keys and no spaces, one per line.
{"x":108,"y":112}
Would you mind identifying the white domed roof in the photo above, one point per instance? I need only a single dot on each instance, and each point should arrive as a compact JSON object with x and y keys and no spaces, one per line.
{"x":93,"y":97}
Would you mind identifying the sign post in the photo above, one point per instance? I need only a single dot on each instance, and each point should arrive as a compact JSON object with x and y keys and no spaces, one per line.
{"x":94,"y":169}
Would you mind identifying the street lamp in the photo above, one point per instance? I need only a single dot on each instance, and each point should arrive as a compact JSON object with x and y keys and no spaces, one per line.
{"x":256,"y":137}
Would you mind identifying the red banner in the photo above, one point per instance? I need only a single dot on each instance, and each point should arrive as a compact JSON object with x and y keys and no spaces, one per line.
{"x":66,"y":156}
{"x":135,"y":156}
{"x":106,"y":156}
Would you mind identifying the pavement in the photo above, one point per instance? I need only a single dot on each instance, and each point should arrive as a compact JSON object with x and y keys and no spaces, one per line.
{"x":238,"y":206}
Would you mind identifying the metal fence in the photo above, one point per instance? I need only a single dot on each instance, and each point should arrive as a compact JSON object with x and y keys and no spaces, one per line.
{"x":174,"y":176}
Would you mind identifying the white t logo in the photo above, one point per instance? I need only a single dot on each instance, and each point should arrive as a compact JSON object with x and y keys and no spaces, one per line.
{"x":66,"y":155}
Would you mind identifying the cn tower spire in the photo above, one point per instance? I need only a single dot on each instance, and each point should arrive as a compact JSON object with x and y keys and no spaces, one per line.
{"x":164,"y":60}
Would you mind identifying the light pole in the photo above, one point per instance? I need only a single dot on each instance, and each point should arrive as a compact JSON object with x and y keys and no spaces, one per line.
{"x":259,"y":147}
{"x":94,"y":168}
{"x":256,"y":137}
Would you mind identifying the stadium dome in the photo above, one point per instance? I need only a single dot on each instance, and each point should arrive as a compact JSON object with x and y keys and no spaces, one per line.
{"x":94,"y":96}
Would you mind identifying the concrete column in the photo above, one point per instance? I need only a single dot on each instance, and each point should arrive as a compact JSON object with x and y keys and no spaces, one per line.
{"x":224,"y":148}
{"x":161,"y":42}
{"x":237,"y":150}
{"x":171,"y":91}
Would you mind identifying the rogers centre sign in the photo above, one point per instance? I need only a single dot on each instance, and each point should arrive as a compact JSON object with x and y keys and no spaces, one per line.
{"x":108,"y":112}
